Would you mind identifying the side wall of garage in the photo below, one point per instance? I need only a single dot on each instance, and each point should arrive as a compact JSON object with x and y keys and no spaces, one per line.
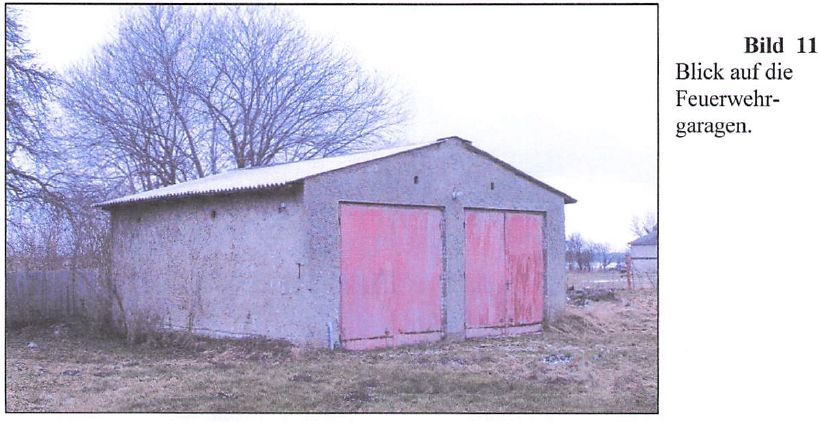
{"x":429,"y":176}
{"x":226,"y":265}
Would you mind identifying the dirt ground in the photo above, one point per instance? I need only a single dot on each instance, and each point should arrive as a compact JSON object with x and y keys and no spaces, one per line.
{"x":601,"y":357}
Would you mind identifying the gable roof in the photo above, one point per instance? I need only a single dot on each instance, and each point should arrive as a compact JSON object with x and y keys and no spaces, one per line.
{"x":279,"y":175}
{"x":648,"y":239}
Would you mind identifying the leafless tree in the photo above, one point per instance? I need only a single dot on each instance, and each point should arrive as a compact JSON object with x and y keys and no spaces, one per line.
{"x":183,"y":92}
{"x":50,"y":224}
{"x":574,"y":245}
{"x":30,"y":181}
{"x":277,"y":95}
{"x":644,"y":225}
{"x":602,"y":253}
{"x":38,"y":234}
{"x":579,"y":252}
{"x":131,"y":104}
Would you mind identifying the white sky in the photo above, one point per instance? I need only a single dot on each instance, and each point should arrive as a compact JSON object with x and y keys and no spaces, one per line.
{"x":564,"y":93}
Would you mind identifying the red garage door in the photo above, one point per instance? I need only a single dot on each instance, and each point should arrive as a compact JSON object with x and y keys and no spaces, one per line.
{"x":391,"y":259}
{"x":504,"y":272}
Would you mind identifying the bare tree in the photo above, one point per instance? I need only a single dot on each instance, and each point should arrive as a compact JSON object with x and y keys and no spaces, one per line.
{"x":132,"y":104}
{"x":643,"y":226}
{"x":38,"y":232}
{"x":580,"y":252}
{"x":574,"y":245}
{"x":602,"y":253}
{"x":183,"y":92}
{"x":277,"y":95}
{"x":50,"y":224}
{"x":29,"y":90}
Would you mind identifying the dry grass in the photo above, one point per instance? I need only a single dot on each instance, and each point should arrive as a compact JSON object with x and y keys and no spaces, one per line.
{"x":599,"y":358}
{"x":596,"y":279}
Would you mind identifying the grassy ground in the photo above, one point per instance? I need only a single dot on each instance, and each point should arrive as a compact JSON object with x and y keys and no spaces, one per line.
{"x":599,"y":358}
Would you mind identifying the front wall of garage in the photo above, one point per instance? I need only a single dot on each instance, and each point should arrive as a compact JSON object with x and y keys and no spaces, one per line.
{"x":428,"y":177}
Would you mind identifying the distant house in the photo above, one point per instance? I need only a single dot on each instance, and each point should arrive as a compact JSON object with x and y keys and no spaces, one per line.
{"x":644,"y":254}
{"x":377,"y":249}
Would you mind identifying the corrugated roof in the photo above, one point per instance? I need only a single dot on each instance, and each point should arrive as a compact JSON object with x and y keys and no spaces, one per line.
{"x":647,"y":239}
{"x":259,"y":177}
{"x":282,"y":174}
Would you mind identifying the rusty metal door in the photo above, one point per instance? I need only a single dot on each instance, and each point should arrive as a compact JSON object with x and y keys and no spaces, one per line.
{"x":485,"y":288}
{"x":504,"y":272}
{"x":525,"y":268}
{"x":391,"y":262}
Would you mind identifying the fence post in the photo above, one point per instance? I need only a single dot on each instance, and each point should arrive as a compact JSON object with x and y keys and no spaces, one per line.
{"x":629,"y":285}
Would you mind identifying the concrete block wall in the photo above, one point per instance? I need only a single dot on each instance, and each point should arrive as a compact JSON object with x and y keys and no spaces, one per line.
{"x":232,"y":264}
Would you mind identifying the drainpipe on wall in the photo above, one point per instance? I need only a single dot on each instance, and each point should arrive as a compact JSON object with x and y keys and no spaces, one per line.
{"x":330,"y":335}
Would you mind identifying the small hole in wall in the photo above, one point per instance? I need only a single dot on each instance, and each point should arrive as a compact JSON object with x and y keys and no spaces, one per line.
{"x":139,"y":219}
{"x":415,"y":180}
{"x":213,"y":213}
{"x":492,"y":185}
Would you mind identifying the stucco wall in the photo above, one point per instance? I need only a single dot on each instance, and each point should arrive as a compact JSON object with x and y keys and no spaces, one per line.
{"x":441,"y":169}
{"x":644,"y":265}
{"x":235,"y":271}
{"x":644,"y":258}
{"x":644,"y":251}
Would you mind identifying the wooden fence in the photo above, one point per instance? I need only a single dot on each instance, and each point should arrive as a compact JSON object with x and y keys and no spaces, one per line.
{"x":33,"y":296}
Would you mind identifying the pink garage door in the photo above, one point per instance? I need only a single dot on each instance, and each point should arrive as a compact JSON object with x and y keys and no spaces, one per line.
{"x":504,"y":272}
{"x":391,"y":259}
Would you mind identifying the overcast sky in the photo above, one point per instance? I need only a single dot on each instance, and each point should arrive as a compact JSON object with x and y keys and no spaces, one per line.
{"x":564,"y":93}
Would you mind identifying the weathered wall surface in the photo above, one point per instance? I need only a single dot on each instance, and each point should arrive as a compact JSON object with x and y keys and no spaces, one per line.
{"x":227,"y":265}
{"x":644,"y":251}
{"x":236,"y":265}
{"x":644,"y":258}
{"x":644,"y":265}
{"x":33,"y":296}
{"x":441,"y":170}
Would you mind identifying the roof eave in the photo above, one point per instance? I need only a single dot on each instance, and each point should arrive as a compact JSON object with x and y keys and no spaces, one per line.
{"x":108,"y":206}
{"x":567,"y":199}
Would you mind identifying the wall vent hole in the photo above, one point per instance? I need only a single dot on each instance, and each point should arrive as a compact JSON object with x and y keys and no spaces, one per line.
{"x":213,"y":213}
{"x":492,"y":185}
{"x":415,"y":180}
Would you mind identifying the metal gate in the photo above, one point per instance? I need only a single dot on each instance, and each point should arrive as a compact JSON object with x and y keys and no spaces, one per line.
{"x":391,"y":263}
{"x":504,"y":272}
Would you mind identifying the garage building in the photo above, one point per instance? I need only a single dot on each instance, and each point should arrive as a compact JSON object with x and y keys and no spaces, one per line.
{"x":397,"y":246}
{"x":643,"y":253}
